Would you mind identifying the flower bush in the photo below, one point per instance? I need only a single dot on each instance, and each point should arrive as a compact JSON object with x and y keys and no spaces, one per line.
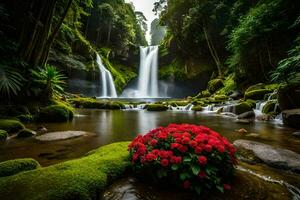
{"x":195,"y":157}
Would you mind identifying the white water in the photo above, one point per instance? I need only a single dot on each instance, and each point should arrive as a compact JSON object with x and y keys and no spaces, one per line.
{"x":147,"y":86}
{"x":108,"y":89}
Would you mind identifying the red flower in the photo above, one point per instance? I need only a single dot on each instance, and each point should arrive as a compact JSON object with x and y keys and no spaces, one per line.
{"x":185,"y":140}
{"x":202,"y":174}
{"x":150,"y":157}
{"x":164,"y":162}
{"x":221,"y":148}
{"x":186,"y":184}
{"x":178,"y":140}
{"x":176,"y":159}
{"x":198,"y":150}
{"x":193,"y":144}
{"x":153,"y":142}
{"x":208,"y":148}
{"x":182,"y":149}
{"x":164,"y":154}
{"x":227,"y":187}
{"x":162,"y":135}
{"x":186,"y":134}
{"x":202,"y":160}
{"x":174,"y":145}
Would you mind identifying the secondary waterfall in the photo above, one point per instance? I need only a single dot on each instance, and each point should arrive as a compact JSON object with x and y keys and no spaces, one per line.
{"x":108,"y":88}
{"x":147,"y":79}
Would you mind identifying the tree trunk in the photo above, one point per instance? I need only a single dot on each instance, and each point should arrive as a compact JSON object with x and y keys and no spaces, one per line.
{"x":109,"y":32}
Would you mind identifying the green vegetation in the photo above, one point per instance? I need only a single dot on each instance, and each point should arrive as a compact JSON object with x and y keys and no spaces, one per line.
{"x":12,"y":167}
{"x":257,"y":94}
{"x":242,"y":108}
{"x":3,"y":135}
{"x":77,"y":179}
{"x":55,"y":113}
{"x":197,"y":108}
{"x":269,"y":107}
{"x":156,"y":107}
{"x":214,"y":85}
{"x":96,"y":104}
{"x":10,"y":125}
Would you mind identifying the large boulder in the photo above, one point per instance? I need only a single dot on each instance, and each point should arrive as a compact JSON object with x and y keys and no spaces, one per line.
{"x":215,"y":85}
{"x":289,"y":97}
{"x":239,"y":108}
{"x":251,"y":151}
{"x":55,"y":113}
{"x":11,"y":167}
{"x":156,"y":107}
{"x":291,"y":118}
{"x":257,"y":94}
{"x":269,"y":107}
{"x":11,"y":126}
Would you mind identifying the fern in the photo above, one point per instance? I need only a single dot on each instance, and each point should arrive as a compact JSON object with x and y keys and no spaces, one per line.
{"x":11,"y":81}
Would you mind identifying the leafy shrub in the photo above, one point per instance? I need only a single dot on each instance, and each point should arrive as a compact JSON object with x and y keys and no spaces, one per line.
{"x":195,"y":157}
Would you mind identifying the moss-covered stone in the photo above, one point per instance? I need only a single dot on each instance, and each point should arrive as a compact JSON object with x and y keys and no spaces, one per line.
{"x":79,"y":179}
{"x":251,"y":103}
{"x":257,"y":94}
{"x":258,"y":86}
{"x":178,"y":103}
{"x":26,"y":133}
{"x":55,"y":113}
{"x":269,"y":107}
{"x":11,"y":126}
{"x":157,"y":107}
{"x":229,"y":85}
{"x":11,"y":167}
{"x":221,"y":97}
{"x":215,"y":85}
{"x":91,"y":103}
{"x":3,"y":135}
{"x":26,"y":118}
{"x":289,"y":96}
{"x":197,"y":108}
{"x":241,"y":108}
{"x":203,"y":94}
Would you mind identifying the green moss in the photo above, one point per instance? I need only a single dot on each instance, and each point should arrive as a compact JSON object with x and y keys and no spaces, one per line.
{"x":257,"y":94}
{"x":197,"y":108}
{"x":26,"y":118}
{"x":79,"y":179}
{"x":178,"y":103}
{"x":221,"y":97}
{"x":258,"y":86}
{"x":157,"y":107}
{"x":229,"y":85}
{"x":55,"y":113}
{"x":203,"y":94}
{"x":175,"y":69}
{"x":251,"y":102}
{"x":269,"y":107}
{"x":11,"y":126}
{"x":91,"y":103}
{"x":3,"y":135}
{"x":274,"y":86}
{"x":25,"y":133}
{"x":242,"y":108}
{"x":214,"y":85}
{"x":12,"y":167}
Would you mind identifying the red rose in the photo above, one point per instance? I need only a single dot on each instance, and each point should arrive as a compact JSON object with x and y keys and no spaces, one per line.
{"x":193,"y":144}
{"x":186,"y":184}
{"x":164,"y":162}
{"x":202,"y":160}
{"x":202,"y":174}
{"x":186,"y":134}
{"x":150,"y":157}
{"x":178,"y":140}
{"x":221,"y":148}
{"x":185,"y":140}
{"x":164,"y":154}
{"x":227,"y":187}
{"x":182,"y":148}
{"x":208,"y":148}
{"x":153,"y":142}
{"x":198,"y":150}
{"x":162,"y":135}
{"x":176,"y":159}
{"x":174,"y":145}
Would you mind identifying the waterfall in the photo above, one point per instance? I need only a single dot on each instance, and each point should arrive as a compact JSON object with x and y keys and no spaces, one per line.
{"x":147,"y":79}
{"x":107,"y":83}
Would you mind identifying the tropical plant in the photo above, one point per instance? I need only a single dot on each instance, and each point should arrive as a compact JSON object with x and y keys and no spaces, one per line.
{"x":195,"y":157}
{"x":50,"y":79}
{"x":11,"y":81}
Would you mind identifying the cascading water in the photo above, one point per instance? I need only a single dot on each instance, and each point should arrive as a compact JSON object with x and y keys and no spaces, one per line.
{"x":147,"y":85}
{"x":107,"y":83}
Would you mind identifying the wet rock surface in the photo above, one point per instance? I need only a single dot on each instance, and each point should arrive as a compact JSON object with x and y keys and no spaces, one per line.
{"x":61,"y":135}
{"x":275,"y":157}
{"x":291,"y":118}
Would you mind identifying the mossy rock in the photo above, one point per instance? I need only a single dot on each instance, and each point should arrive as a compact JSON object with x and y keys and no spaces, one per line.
{"x":156,"y":107}
{"x":251,"y":103}
{"x":257,"y":94}
{"x":215,"y":85}
{"x":178,"y":103}
{"x":10,"y":125}
{"x":55,"y":113}
{"x":289,"y":96}
{"x":26,"y":133}
{"x":258,"y":86}
{"x":79,"y":179}
{"x":91,"y":103}
{"x":197,"y":108}
{"x":269,"y":107}
{"x":26,"y":118}
{"x":242,"y":108}
{"x":221,"y":97}
{"x":12,"y":167}
{"x":203,"y":94}
{"x":3,"y":135}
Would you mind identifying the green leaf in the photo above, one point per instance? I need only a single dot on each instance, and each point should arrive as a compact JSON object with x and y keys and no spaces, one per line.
{"x":175,"y":167}
{"x":196,"y":169}
{"x":220,"y":188}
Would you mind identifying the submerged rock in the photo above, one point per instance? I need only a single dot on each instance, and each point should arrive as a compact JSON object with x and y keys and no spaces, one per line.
{"x":296,"y":134}
{"x":244,"y":121}
{"x":246,"y":115}
{"x":26,"y":133}
{"x":291,"y":118}
{"x":236,"y":95}
{"x":253,"y":135}
{"x":242,"y":130}
{"x":258,"y":152}
{"x":62,"y":135}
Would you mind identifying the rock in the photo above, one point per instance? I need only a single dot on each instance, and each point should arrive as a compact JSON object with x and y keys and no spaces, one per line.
{"x":246,"y":115}
{"x":253,"y":135}
{"x":62,"y":135}
{"x":242,"y":130}
{"x":296,"y":134}
{"x":221,"y":97}
{"x":270,"y":107}
{"x":257,"y":94}
{"x":244,"y":121}
{"x":264,"y":117}
{"x":289,"y":97}
{"x":197,"y":108}
{"x":11,"y":126}
{"x":274,"y":157}
{"x":41,"y":129}
{"x":291,"y":118}
{"x":214,"y":85}
{"x":11,"y":167}
{"x":26,"y":133}
{"x":55,"y":113}
{"x":157,"y":107}
{"x":236,"y":95}
{"x":240,"y":108}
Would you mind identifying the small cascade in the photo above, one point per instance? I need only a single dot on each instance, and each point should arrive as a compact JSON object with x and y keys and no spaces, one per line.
{"x":107,"y":83}
{"x":259,"y":107}
{"x":188,"y":107}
